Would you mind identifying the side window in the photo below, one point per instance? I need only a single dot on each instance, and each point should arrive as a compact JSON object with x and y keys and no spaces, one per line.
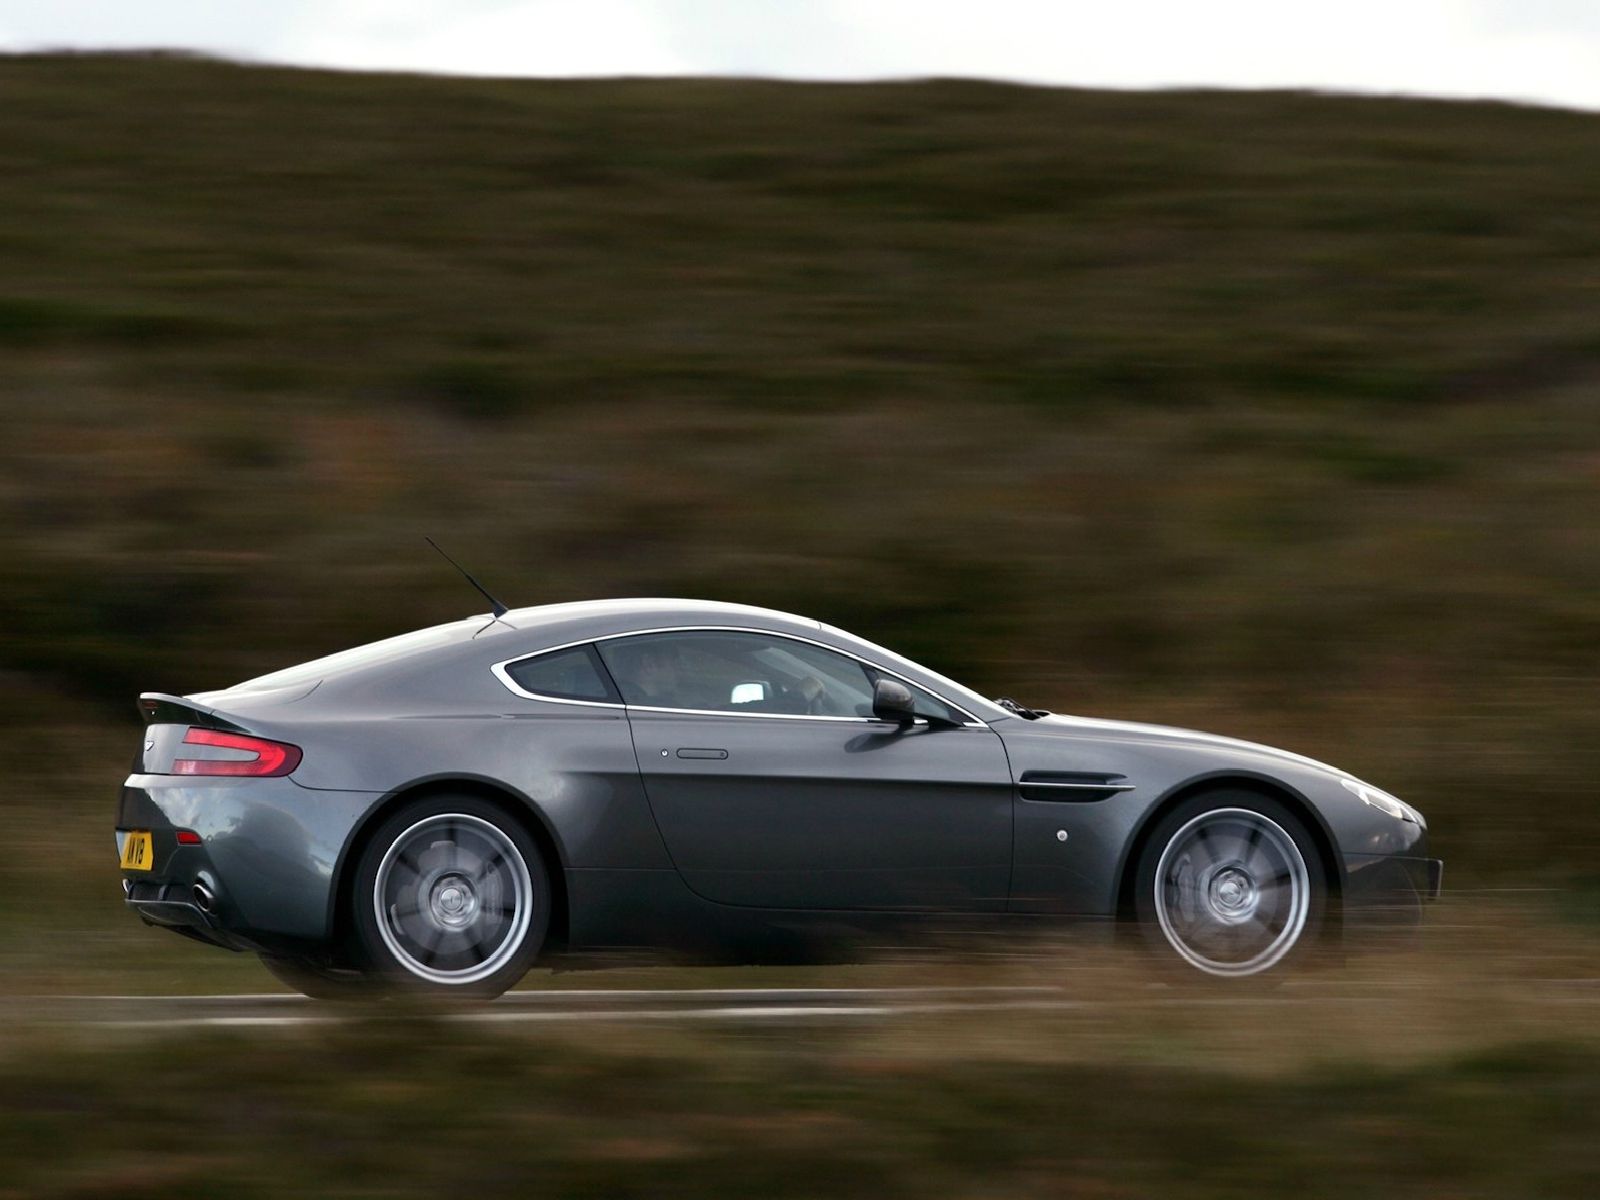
{"x":737,"y":672}
{"x":571,"y":674}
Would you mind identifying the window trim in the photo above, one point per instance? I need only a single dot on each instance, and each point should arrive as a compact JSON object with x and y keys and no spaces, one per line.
{"x":501,"y":672}
{"x":601,"y":672}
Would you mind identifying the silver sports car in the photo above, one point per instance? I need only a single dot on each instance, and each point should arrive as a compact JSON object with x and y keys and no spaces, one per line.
{"x":442,"y":809}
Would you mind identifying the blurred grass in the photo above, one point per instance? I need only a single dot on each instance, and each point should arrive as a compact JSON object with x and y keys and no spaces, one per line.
{"x":1269,"y":413}
{"x":1411,"y":1076}
{"x":1467,"y":1067}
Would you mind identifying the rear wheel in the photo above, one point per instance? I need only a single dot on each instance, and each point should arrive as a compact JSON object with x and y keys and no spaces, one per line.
{"x":1231,"y":885}
{"x":451,"y":898}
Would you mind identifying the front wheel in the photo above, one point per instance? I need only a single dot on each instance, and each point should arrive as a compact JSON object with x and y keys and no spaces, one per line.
{"x":451,"y":898}
{"x":1231,"y":884}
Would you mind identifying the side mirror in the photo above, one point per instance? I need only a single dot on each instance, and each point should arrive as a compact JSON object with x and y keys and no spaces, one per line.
{"x":891,"y":701}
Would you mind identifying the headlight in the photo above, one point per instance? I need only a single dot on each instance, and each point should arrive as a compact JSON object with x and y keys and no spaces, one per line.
{"x":1383,"y":802}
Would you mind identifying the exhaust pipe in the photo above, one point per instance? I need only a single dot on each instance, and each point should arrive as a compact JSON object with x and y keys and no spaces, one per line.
{"x":204,"y":899}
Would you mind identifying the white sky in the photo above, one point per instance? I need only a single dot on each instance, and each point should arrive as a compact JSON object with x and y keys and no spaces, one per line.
{"x":1546,"y":51}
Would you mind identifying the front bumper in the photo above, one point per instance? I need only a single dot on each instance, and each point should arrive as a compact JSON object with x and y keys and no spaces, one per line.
{"x":1389,"y":891}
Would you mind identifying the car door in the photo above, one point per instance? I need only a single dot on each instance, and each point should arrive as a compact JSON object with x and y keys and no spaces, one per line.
{"x":774,"y":787}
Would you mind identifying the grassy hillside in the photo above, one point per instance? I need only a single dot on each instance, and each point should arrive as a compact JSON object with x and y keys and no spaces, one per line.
{"x":1277,"y":414}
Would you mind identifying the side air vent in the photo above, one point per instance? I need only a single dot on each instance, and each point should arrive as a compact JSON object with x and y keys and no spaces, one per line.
{"x":1071,"y":787}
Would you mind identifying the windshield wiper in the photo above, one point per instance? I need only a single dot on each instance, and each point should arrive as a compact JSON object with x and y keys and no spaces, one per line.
{"x":1027,"y":714}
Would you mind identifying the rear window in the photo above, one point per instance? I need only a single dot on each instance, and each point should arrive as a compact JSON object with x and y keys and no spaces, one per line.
{"x":571,"y":674}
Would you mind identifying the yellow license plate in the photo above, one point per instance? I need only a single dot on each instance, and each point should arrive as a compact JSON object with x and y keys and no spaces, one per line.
{"x":137,"y":852}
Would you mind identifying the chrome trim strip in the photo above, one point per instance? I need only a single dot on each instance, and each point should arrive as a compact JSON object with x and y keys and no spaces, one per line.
{"x":500,"y":672}
{"x":512,"y":686}
{"x":1080,"y":787}
{"x":717,"y":712}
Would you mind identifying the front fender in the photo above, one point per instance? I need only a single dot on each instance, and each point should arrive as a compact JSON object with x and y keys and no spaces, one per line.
{"x":1072,"y":855}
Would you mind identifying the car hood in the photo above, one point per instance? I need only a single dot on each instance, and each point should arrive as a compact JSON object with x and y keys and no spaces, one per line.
{"x":1069,"y":726}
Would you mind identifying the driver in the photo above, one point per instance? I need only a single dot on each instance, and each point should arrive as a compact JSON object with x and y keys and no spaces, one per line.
{"x":655,"y":677}
{"x":804,"y":696}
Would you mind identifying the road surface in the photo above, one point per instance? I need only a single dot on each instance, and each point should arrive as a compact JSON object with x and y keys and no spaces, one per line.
{"x":602,"y":1005}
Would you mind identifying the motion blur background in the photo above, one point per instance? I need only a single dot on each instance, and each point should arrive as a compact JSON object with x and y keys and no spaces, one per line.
{"x":1274,"y":413}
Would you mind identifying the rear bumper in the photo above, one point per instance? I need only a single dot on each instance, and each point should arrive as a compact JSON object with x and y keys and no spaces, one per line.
{"x":269,"y":853}
{"x":167,"y":905}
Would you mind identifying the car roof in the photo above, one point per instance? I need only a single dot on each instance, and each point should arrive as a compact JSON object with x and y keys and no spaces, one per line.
{"x":516,"y":633}
{"x":646,"y":612}
{"x":483,"y":641}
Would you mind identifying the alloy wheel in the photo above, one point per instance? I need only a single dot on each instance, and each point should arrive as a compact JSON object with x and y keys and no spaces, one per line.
{"x":453,"y":898}
{"x":1232,"y":892}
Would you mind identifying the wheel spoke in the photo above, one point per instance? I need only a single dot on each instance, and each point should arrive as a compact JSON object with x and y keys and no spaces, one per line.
{"x":1261,"y":931}
{"x":1256,"y":854}
{"x":1229,"y":841}
{"x":1203,"y":842}
{"x":452,"y":847}
{"x":487,"y":865}
{"x":428,"y":942}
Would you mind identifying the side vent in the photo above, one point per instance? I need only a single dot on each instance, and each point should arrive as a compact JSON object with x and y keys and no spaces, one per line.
{"x":1071,"y":787}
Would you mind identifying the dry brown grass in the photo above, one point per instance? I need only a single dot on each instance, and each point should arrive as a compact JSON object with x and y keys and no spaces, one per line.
{"x":1468,"y":1068}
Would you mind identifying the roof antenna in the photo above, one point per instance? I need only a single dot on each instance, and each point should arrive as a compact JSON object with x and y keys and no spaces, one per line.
{"x":495,"y":606}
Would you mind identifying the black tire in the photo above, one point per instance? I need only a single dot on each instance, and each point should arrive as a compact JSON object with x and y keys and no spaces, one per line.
{"x":451,"y":897}
{"x":317,"y":981}
{"x":1230,"y":886}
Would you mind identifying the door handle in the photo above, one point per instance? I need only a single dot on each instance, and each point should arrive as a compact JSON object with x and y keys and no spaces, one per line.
{"x":695,"y":752}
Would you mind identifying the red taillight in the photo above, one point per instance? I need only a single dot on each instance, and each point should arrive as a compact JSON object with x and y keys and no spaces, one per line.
{"x":271,"y":758}
{"x":188,"y":837}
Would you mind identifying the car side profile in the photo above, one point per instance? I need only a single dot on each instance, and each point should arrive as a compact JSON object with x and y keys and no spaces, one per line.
{"x":442,"y":809}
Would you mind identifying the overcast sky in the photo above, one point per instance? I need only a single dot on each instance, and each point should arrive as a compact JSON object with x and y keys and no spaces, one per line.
{"x":1540,"y":50}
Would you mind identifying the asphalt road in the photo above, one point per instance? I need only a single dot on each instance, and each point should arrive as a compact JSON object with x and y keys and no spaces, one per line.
{"x":600,"y":1005}
{"x":268,"y":1009}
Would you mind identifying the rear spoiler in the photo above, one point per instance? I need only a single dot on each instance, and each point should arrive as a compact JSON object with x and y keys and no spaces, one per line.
{"x":161,"y":708}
